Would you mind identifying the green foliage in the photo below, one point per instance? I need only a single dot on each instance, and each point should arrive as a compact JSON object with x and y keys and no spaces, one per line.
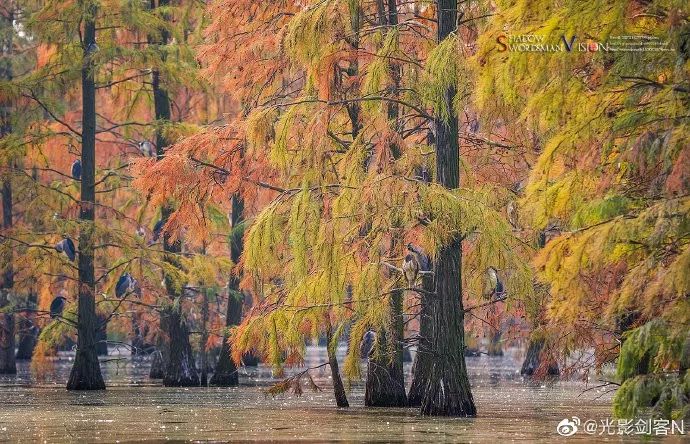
{"x":648,"y":367}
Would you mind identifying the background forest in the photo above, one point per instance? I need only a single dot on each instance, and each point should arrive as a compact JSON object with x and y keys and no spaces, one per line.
{"x":216,"y":182}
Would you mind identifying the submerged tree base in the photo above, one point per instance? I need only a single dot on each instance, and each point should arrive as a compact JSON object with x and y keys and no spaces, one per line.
{"x":384,"y":387}
{"x":181,"y":369}
{"x":534,"y":360}
{"x":86,"y":372}
{"x":448,"y":397}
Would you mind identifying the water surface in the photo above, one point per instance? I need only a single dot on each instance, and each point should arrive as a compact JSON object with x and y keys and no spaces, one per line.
{"x":136,"y":408}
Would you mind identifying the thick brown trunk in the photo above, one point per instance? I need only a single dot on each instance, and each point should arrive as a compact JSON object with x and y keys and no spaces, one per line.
{"x":338,"y":387}
{"x":448,"y":389}
{"x":385,"y":385}
{"x":159,"y":359}
{"x":538,"y":362}
{"x":204,"y":338}
{"x":7,"y":321}
{"x":7,"y":330}
{"x":180,"y":367}
{"x":225,"y":374}
{"x":7,"y":341}
{"x":422,"y":360}
{"x":28,"y":333}
{"x":86,"y":371}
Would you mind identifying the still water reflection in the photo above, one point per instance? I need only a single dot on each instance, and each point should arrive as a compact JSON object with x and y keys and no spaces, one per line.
{"x":136,"y":408}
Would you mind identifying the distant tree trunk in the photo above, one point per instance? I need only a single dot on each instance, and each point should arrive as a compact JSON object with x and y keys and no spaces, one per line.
{"x":7,"y":341}
{"x":159,"y":360}
{"x":535,"y":359}
{"x":338,"y":387}
{"x":422,"y":360}
{"x":139,"y":332}
{"x":180,"y":367}
{"x":225,"y":374}
{"x":28,"y":333}
{"x":495,"y":347}
{"x":448,"y":390}
{"x":86,"y":371}
{"x":204,"y":338}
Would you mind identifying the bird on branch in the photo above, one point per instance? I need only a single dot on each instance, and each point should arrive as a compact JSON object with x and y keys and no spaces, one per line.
{"x":415,"y":264}
{"x":76,"y":170}
{"x":494,"y":288}
{"x":66,"y":246}
{"x":366,"y":345}
{"x":125,"y":284}
{"x":57,"y":306}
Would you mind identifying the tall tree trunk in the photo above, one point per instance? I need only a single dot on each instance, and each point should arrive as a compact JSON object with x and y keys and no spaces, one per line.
{"x":422,"y":360}
{"x":338,"y":387}
{"x":86,"y":371}
{"x":448,"y":389}
{"x":28,"y":333}
{"x":7,"y":330}
{"x":203,"y":339}
{"x":225,"y":374}
{"x":181,"y":367}
{"x":385,"y":385}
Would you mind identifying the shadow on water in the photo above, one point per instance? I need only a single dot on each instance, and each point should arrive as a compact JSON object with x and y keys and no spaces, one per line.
{"x":136,"y":408}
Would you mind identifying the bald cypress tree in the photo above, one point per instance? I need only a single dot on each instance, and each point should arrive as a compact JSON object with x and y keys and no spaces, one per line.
{"x":448,"y":390}
{"x":225,"y":373}
{"x":86,"y":370}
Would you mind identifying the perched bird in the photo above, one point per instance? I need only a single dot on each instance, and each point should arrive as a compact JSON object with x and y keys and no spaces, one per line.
{"x":158,"y":229}
{"x":146,"y":148}
{"x":92,"y":48}
{"x":124,"y":284}
{"x":141,"y":232}
{"x":57,"y":306}
{"x":410,"y":268}
{"x":366,"y":346}
{"x":494,"y":286}
{"x":426,"y":177}
{"x":76,"y":170}
{"x":422,"y":258}
{"x":511,"y":209}
{"x":67,"y":246}
{"x":474,"y":126}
